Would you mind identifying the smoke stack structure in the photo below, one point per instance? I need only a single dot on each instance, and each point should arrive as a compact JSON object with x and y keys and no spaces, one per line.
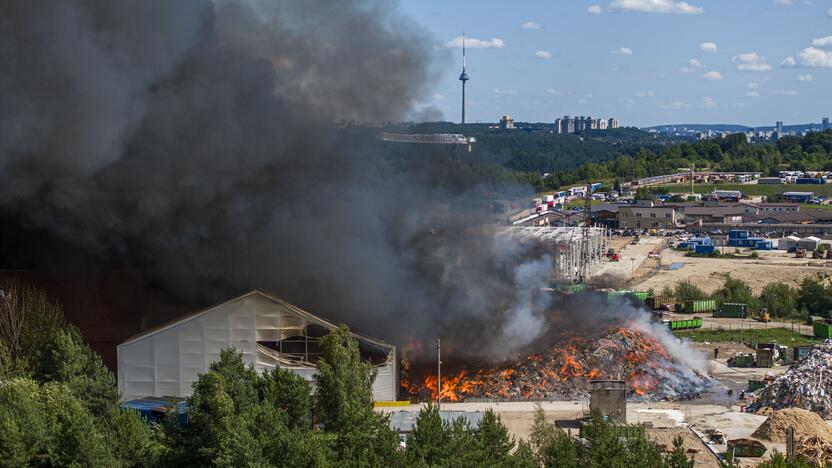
{"x":463,"y":77}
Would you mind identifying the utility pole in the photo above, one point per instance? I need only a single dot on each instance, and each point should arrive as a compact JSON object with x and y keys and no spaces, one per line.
{"x":438,"y":373}
{"x":585,"y":262}
{"x":691,"y":179}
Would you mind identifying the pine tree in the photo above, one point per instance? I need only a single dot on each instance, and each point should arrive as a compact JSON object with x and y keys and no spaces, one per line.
{"x":430,"y":440}
{"x":289,"y":392}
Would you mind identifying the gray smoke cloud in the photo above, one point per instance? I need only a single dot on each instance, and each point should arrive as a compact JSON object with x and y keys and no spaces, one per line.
{"x":208,"y":144}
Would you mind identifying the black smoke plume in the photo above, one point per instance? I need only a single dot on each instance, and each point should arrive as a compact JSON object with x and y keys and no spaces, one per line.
{"x":215,"y":146}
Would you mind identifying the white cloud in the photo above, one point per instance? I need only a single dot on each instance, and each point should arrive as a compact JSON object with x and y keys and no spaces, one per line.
{"x":712,"y":76}
{"x":752,"y":85}
{"x":829,"y":13}
{"x":553,"y":92}
{"x":644,"y":94}
{"x":752,"y":62}
{"x":438,"y":97}
{"x":530,"y":25}
{"x":816,"y":58}
{"x":543,"y":54}
{"x":784,"y":2}
{"x":687,"y":70}
{"x":806,"y":77}
{"x":656,"y":6}
{"x":622,"y":51}
{"x":752,"y":94}
{"x":707,"y":103}
{"x":708,"y":47}
{"x":788,"y":62}
{"x":582,"y":101}
{"x":504,"y":92}
{"x":474,"y":43}
{"x":588,"y":96}
{"x":696,"y":63}
{"x":822,"y":41}
{"x":785,"y":92}
{"x":594,"y":10}
{"x":675,"y":105}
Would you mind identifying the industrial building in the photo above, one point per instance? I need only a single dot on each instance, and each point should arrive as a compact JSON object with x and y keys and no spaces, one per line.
{"x":571,"y":248}
{"x":646,"y":217}
{"x":269,"y":332}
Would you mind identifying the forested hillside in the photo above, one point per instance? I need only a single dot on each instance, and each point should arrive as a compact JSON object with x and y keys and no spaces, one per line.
{"x":812,"y":152}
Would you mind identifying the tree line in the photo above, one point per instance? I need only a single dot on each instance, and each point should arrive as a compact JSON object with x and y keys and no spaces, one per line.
{"x":812,"y":296}
{"x":811,"y":152}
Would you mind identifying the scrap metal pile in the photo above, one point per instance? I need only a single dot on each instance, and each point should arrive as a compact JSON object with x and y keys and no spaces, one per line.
{"x":807,"y":384}
{"x":564,"y":371}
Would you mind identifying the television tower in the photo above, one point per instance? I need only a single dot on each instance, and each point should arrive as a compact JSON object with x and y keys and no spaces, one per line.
{"x":463,"y":77}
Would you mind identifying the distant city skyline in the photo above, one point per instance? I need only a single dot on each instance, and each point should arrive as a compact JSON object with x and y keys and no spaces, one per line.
{"x":649,"y":62}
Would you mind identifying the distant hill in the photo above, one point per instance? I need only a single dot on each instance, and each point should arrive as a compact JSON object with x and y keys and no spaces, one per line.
{"x":535,"y":147}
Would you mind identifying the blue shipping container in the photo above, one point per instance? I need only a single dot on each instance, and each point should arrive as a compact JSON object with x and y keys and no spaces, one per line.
{"x":704,"y":249}
{"x":810,"y":180}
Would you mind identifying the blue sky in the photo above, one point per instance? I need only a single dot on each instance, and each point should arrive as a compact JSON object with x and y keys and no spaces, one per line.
{"x":645,"y":62}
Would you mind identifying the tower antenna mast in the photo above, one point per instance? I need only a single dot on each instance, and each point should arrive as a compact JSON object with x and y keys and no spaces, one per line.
{"x":463,"y":77}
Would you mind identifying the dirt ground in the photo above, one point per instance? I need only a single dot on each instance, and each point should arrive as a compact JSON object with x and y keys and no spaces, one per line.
{"x":709,"y":273}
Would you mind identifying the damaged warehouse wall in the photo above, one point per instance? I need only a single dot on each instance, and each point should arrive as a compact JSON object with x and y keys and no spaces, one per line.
{"x":269,"y":332}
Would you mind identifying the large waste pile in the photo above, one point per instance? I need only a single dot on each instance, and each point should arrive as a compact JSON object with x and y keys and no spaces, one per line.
{"x":564,"y":371}
{"x":807,"y":384}
{"x":805,"y":424}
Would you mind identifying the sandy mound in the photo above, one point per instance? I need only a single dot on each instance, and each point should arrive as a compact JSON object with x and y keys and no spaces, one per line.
{"x":805,"y":424}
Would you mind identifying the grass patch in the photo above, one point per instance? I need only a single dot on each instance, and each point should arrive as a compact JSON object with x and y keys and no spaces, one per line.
{"x":783,"y":336}
{"x":752,"y":189}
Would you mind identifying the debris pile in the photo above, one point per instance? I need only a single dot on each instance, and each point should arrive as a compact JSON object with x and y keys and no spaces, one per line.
{"x":564,"y":371}
{"x":807,"y":384}
{"x":805,"y":423}
{"x":816,"y":450}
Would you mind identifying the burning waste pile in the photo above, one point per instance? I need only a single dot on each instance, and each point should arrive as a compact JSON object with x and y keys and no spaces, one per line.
{"x":807,"y":384}
{"x":564,"y":371}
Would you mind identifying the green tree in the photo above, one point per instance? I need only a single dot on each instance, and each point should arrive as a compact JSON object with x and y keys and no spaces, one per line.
{"x":736,"y":291}
{"x":289,"y":392}
{"x":463,"y":443}
{"x":206,"y":439}
{"x":553,"y":447}
{"x":344,"y":380}
{"x":239,"y":382}
{"x":815,"y":296}
{"x":685,"y":290}
{"x":780,"y":299}
{"x":430,"y":442}
{"x":493,"y":442}
{"x":778,"y":460}
{"x":677,"y":458}
{"x":130,"y":438}
{"x":523,"y":456}
{"x":366,"y":439}
{"x":66,"y":358}
{"x":46,"y":425}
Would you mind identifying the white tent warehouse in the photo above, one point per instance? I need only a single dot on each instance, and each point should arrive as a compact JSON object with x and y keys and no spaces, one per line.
{"x":166,"y":360}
